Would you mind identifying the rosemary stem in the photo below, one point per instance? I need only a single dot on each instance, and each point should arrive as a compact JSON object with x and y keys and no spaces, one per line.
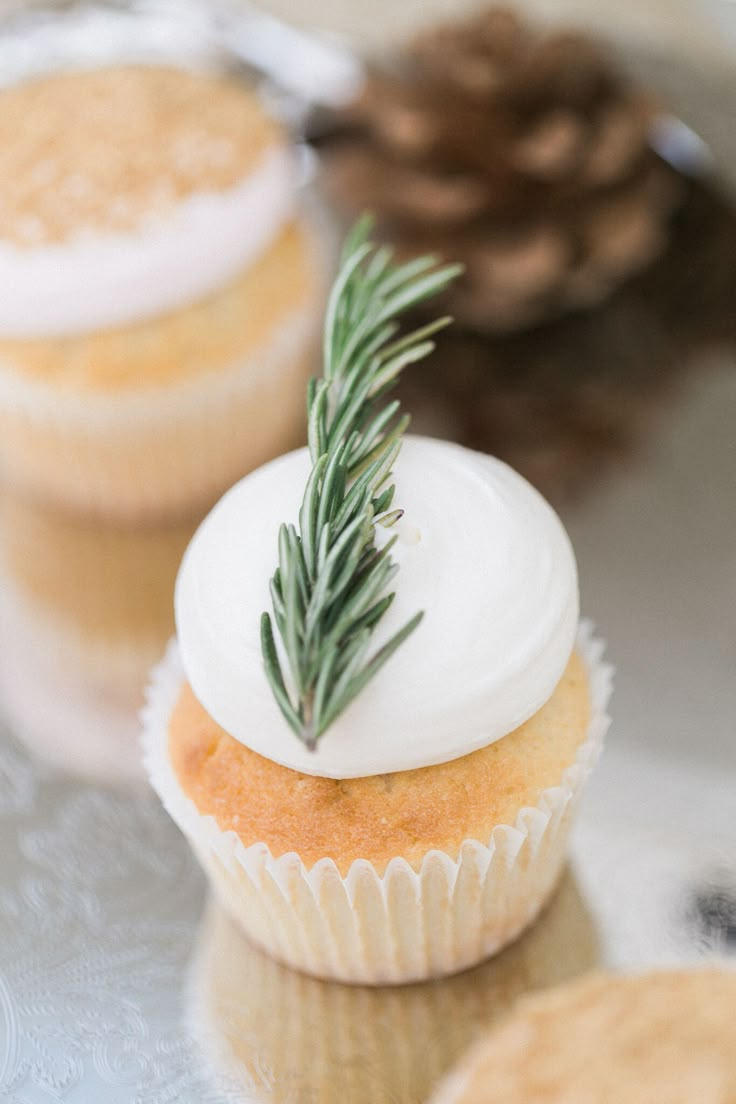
{"x":330,"y":590}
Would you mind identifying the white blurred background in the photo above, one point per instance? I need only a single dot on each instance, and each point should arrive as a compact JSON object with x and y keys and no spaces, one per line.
{"x":704,"y":25}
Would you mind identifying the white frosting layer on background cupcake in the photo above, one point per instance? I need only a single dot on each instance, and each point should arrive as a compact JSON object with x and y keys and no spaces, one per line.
{"x":480,"y":551}
{"x":99,"y":280}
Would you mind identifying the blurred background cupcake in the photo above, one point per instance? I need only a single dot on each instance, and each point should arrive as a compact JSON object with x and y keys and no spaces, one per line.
{"x":158,"y":326}
{"x":160,"y":289}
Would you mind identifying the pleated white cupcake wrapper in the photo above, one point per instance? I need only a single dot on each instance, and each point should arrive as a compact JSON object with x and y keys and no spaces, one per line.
{"x":403,"y":924}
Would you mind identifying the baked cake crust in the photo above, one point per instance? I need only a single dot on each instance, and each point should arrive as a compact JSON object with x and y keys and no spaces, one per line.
{"x":376,"y":818}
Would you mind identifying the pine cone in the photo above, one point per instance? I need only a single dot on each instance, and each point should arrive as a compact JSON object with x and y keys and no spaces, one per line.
{"x":522,"y":154}
{"x":565,"y":402}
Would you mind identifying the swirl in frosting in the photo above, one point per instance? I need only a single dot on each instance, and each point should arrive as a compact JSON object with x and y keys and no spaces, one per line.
{"x":480,"y":551}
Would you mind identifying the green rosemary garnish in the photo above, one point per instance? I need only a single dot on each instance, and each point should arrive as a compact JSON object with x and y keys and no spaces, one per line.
{"x":330,"y":589}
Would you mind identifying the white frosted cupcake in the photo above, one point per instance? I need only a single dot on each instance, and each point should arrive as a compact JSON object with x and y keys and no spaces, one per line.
{"x":159,"y":289}
{"x":393,"y":818}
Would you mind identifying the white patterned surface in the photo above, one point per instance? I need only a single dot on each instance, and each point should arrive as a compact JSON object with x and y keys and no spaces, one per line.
{"x":95,"y":929}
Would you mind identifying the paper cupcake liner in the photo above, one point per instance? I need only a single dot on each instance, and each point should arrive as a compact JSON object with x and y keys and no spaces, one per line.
{"x":403,"y":924}
{"x":163,"y":451}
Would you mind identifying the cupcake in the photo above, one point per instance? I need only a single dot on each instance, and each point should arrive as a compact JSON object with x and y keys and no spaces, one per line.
{"x":159,"y":289}
{"x":85,"y":609}
{"x":655,"y":1038}
{"x":377,"y":796}
{"x":274,"y":1034}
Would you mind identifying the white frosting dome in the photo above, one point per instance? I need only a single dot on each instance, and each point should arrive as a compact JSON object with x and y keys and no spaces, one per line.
{"x":97,"y":280}
{"x":480,"y":551}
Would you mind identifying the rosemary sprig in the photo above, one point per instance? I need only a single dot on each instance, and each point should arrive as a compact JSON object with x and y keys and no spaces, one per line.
{"x":331,"y":587}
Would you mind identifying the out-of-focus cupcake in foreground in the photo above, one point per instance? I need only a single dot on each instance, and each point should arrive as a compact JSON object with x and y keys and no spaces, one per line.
{"x":159,"y":285}
{"x":85,"y":609}
{"x":378,"y":797}
{"x":277,"y":1035}
{"x":646,"y":1039}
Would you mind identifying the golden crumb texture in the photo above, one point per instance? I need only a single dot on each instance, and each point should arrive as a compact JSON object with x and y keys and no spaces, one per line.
{"x":376,"y":818}
{"x":105,"y":149}
{"x":660,"y":1038}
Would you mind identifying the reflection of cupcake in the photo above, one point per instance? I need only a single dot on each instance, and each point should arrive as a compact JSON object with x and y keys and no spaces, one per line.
{"x":656,"y":1038}
{"x":159,"y":289}
{"x":84,"y":610}
{"x":427,"y":826}
{"x":268,"y":1030}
